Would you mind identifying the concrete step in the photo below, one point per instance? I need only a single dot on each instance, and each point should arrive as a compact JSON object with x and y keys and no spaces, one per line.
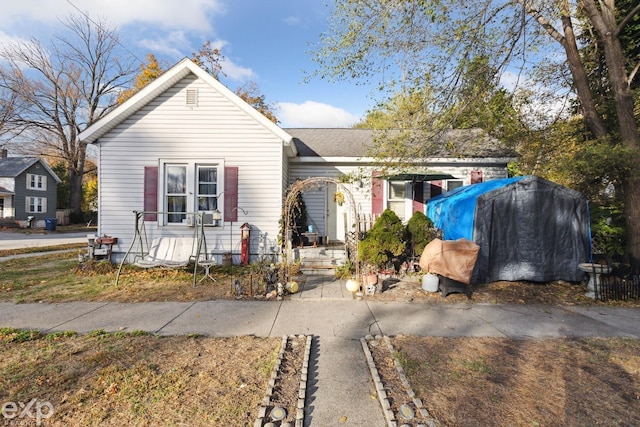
{"x":319,"y":252}
{"x":318,"y":270}
{"x":321,"y":260}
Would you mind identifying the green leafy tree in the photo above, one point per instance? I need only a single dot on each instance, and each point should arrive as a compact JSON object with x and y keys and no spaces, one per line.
{"x":409,"y":109}
{"x":433,"y":41}
{"x":62,"y":190}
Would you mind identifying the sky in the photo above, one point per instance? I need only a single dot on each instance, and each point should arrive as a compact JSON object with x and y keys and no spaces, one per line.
{"x":263,"y":41}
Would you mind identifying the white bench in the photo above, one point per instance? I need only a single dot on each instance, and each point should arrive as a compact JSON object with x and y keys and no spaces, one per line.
{"x":169,"y":252}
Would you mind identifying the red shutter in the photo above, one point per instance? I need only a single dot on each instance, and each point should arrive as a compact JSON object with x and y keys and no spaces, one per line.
{"x":230,"y":193}
{"x":151,"y":192}
{"x":436,"y":188}
{"x":377,"y":193}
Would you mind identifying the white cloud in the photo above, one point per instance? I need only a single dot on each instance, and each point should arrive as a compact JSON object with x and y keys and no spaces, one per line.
{"x":6,"y":39}
{"x":510,"y":80}
{"x":185,"y":14}
{"x":293,"y":21}
{"x":173,"y":44}
{"x":235,"y":71}
{"x":313,"y":115}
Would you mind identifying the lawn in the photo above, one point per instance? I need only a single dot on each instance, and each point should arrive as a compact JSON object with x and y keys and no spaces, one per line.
{"x":59,"y":277}
{"x":134,"y":379}
{"x":140,"y":379}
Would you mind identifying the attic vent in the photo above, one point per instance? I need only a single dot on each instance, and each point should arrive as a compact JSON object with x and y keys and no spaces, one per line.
{"x":192,"y":97}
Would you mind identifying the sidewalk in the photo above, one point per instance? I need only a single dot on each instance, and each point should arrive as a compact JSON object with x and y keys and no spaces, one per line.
{"x":339,"y":381}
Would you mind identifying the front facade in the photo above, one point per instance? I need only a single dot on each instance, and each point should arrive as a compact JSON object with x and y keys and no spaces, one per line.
{"x":343,"y":153}
{"x":28,"y":190}
{"x":187,"y":145}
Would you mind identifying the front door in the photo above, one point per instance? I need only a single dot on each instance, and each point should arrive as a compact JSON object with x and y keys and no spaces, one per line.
{"x":336,"y":215}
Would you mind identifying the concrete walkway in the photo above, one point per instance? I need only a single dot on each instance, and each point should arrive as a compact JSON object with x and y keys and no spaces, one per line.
{"x":340,"y":389}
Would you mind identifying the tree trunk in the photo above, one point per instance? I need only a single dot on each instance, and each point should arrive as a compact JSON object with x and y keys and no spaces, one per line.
{"x":581,"y":81}
{"x":604,"y":22}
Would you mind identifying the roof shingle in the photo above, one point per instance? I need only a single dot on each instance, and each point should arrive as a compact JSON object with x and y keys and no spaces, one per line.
{"x":350,"y":142}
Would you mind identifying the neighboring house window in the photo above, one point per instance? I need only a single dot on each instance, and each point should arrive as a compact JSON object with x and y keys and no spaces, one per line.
{"x":36,"y":204}
{"x":36,"y":182}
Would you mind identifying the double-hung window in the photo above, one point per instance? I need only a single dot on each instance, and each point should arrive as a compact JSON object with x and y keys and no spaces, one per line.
{"x":176,"y":193}
{"x":207,"y":188}
{"x":36,"y":182}
{"x":188,"y":187}
{"x":397,"y":198}
{"x":36,"y":204}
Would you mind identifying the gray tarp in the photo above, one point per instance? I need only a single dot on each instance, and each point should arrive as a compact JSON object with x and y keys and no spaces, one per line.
{"x":529,"y":229}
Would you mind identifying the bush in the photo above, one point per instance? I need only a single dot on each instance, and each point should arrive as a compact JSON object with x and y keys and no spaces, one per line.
{"x":384,"y":242}
{"x":419,"y":233}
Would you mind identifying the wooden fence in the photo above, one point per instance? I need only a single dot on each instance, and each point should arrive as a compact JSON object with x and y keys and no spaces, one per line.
{"x":62,"y":216}
{"x":366,"y":221}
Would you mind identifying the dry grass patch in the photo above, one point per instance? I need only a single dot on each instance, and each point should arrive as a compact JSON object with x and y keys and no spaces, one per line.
{"x":60,"y":278}
{"x":504,"y":382}
{"x":137,"y":379}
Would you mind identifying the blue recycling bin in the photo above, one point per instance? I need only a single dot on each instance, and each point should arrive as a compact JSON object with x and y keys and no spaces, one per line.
{"x":50,"y":224}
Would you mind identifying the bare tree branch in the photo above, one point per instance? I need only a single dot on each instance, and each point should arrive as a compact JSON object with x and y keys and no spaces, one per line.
{"x":63,"y":88}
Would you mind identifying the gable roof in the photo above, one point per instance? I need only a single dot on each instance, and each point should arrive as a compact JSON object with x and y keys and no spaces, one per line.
{"x":163,"y":83}
{"x":12,"y":167}
{"x":350,"y":142}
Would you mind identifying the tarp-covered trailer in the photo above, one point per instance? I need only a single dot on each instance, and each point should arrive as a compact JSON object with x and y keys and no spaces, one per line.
{"x":528,"y":228}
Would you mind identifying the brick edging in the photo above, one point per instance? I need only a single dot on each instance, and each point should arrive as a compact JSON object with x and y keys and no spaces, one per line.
{"x":302,"y":390}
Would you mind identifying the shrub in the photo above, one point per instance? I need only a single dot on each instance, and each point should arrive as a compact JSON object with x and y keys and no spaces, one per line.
{"x":384,"y":242}
{"x":419,"y":233}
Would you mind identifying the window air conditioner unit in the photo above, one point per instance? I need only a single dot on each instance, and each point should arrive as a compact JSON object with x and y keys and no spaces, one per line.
{"x":191,"y":220}
{"x":208,"y":219}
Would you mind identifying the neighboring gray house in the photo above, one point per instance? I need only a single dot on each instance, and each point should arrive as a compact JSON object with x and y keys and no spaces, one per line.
{"x":185,"y":143}
{"x":28,"y":188}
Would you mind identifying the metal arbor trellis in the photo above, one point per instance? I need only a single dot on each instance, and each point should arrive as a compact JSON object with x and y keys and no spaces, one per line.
{"x":290,"y":201}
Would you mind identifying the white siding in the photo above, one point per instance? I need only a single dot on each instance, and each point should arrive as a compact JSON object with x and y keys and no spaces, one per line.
{"x":315,"y":199}
{"x":167,"y":128}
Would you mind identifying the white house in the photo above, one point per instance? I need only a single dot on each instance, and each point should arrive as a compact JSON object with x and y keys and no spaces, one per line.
{"x":187,"y":144}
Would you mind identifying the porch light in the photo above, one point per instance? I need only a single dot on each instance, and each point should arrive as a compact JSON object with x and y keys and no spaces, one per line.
{"x":217,"y":215}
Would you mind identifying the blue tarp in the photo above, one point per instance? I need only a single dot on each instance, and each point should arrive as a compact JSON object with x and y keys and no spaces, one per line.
{"x":453,"y":212}
{"x":527,"y":228}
